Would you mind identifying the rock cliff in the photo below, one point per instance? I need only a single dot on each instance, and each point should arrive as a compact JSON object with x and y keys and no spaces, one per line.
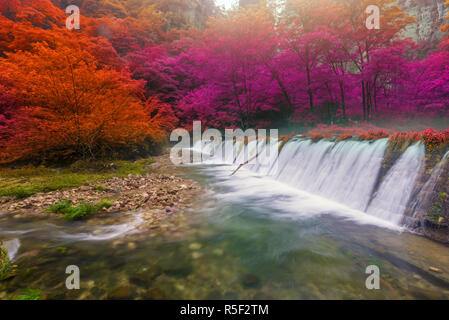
{"x":430,"y":16}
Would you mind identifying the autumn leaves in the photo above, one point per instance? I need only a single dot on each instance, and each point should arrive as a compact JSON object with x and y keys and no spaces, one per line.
{"x":127,"y":77}
{"x":66,"y":95}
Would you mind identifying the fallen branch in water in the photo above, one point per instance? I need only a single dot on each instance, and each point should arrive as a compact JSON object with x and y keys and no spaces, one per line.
{"x":243,"y":164}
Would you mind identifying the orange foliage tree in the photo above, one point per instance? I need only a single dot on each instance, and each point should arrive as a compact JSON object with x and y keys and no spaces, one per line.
{"x":72,"y":107}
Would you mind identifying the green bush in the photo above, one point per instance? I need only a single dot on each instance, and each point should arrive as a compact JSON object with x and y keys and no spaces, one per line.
{"x":30,"y":294}
{"x":82,"y":210}
{"x":103,"y":204}
{"x":60,"y":207}
{"x":7,"y":269}
{"x":100,"y":187}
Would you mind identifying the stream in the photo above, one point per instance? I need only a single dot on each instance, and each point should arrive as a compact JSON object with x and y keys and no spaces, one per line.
{"x":248,"y":237}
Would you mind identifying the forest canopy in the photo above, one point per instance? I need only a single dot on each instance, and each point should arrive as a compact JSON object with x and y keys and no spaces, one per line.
{"x":137,"y":69}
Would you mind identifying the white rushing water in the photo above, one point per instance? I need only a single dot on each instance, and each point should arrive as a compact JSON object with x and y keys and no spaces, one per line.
{"x":394,"y":193}
{"x":424,"y":197}
{"x":344,"y":172}
{"x":101,"y":233}
{"x":12,"y":246}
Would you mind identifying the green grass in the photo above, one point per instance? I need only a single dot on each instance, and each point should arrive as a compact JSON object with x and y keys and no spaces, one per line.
{"x":80,"y":211}
{"x":100,"y":187}
{"x":30,"y":294}
{"x":24,"y":182}
{"x":62,"y":249}
{"x":7,"y":269}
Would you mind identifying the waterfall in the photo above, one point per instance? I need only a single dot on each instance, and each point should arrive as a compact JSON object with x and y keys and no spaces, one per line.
{"x":394,"y":192}
{"x":423,"y":200}
{"x":345,"y":172}
{"x":267,"y":157}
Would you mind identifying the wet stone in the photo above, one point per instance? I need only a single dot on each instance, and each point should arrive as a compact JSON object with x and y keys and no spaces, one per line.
{"x":214,"y":295}
{"x":195,"y":246}
{"x":263,"y":296}
{"x":97,"y":292}
{"x":120,"y":293}
{"x":180,"y":267}
{"x":231,"y":296}
{"x":250,"y":281}
{"x":435,"y":269}
{"x":154,"y":294}
{"x":143,"y":278}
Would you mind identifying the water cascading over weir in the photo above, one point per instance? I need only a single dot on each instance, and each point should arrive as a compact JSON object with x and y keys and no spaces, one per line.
{"x":347,"y":172}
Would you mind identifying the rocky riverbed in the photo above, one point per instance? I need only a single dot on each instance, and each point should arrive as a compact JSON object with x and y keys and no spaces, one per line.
{"x":160,"y":191}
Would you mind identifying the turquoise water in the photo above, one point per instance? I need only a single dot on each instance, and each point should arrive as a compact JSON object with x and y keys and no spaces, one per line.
{"x":247,"y":237}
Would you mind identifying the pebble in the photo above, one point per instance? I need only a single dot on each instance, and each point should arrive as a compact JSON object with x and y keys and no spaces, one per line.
{"x":180,"y":287}
{"x":117,"y":243}
{"x":154,"y":294}
{"x":196,"y":255}
{"x":250,"y":281}
{"x":434,"y":269}
{"x":195,"y":246}
{"x":120,"y":293}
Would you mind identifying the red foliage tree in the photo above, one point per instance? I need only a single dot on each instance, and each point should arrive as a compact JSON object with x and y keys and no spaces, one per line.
{"x":72,"y":107}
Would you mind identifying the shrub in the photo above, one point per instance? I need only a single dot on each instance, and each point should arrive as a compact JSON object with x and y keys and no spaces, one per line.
{"x":82,"y":210}
{"x":374,"y":135}
{"x":434,"y":140}
{"x":100,"y":188}
{"x":315,"y":137}
{"x":344,"y":136}
{"x":60,"y":207}
{"x":62,"y":249}
{"x":103,"y":204}
{"x":30,"y":294}
{"x":61,"y":124}
{"x":442,"y":196}
{"x":7,"y":269}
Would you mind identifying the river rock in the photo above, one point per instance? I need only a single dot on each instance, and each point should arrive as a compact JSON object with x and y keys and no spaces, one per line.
{"x":434,"y":269}
{"x":154,"y":294}
{"x":196,"y":255}
{"x":131,"y":245}
{"x":195,"y":246}
{"x":250,"y":281}
{"x":120,"y":293}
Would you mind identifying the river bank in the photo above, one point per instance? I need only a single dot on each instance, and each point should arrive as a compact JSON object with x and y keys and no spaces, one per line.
{"x":158,"y":188}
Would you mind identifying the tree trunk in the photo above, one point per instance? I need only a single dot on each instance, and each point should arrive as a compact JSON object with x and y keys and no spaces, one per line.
{"x":342,"y":96}
{"x":364,"y":100}
{"x":309,"y":89}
